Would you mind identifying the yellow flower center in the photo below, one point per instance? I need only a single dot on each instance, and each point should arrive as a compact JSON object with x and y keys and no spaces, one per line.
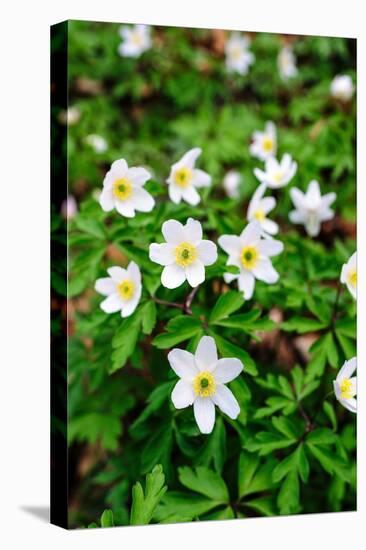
{"x":259,"y":215}
{"x":185,"y":254}
{"x":183,"y":176}
{"x":249,"y":257}
{"x":204,"y":384}
{"x":278,"y":177}
{"x":352,"y":278}
{"x":346,"y":388}
{"x":136,"y":39}
{"x":267,"y":144}
{"x":126,"y":289}
{"x":122,"y":189}
{"x":235,"y":52}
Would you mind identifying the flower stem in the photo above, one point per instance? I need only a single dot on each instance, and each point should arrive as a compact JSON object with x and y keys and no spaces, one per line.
{"x":188,"y":301}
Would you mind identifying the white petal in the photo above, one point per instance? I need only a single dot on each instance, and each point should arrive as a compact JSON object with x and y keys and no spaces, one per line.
{"x":142,"y":200}
{"x":175,"y":193}
{"x":134,"y":273}
{"x":117,"y":273}
{"x":182,"y":394}
{"x":270,"y":247}
{"x":328,"y":199}
{"x":206,"y":354}
{"x":230,"y":277}
{"x":129,"y":306}
{"x":230,"y":243}
{"x":246,"y":283}
{"x":260,"y":175}
{"x":162,"y":254}
{"x":193,"y":231}
{"x":350,"y":404}
{"x":297,"y":216}
{"x":119,"y":167}
{"x":267,"y":204}
{"x":204,"y":413}
{"x":201,"y":178}
{"x":313,"y":194}
{"x":226,"y":401}
{"x":227,"y":369}
{"x":297,"y":197}
{"x":173,"y":232}
{"x":189,"y":158}
{"x":269,"y":226}
{"x":264,"y":271}
{"x":348,"y":369}
{"x":183,"y":364}
{"x":173,"y":276}
{"x":138,"y":175}
{"x":207,"y":252}
{"x":106,"y":200}
{"x":312,"y":225}
{"x":251,"y":234}
{"x":125,"y":208}
{"x":195,"y":273}
{"x":105,"y":286}
{"x":190,"y":195}
{"x":111,"y":304}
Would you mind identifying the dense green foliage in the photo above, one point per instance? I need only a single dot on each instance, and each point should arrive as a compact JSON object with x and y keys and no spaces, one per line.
{"x":292,"y":448}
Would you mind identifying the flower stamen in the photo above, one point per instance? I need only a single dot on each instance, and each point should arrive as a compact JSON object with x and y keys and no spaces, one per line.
{"x":122,"y":189}
{"x":346,"y":388}
{"x":183,"y":176}
{"x":249,"y":257}
{"x":204,"y":384}
{"x":126,"y":289}
{"x":352,"y":278}
{"x":259,"y":215}
{"x":185,"y":254}
{"x":267,"y":144}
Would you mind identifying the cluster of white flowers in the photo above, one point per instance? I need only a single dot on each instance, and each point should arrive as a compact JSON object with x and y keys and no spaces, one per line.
{"x":238,"y":56}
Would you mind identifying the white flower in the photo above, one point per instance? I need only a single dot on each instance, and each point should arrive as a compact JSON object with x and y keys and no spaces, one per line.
{"x":202,"y":382}
{"x":286,"y":62}
{"x":264,"y":144}
{"x":98,"y":143}
{"x":238,"y":57}
{"x":136,"y":40}
{"x":345,"y":387}
{"x":184,"y":178}
{"x":184,"y":254}
{"x":122,"y":288}
{"x":311,"y":208}
{"x":69,"y":208}
{"x":277,"y":174}
{"x":251,"y":254}
{"x":349,"y":275}
{"x":342,"y":87}
{"x":123,"y":190}
{"x":259,"y":207}
{"x":69,"y":117}
{"x":231,"y":184}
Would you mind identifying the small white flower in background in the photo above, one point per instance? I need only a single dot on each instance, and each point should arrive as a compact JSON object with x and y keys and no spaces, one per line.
{"x":342,"y":87}
{"x":122,"y":288}
{"x":231,"y":183}
{"x":311,"y":208}
{"x":98,"y":143}
{"x":286,"y":62}
{"x":184,"y":255}
{"x":345,"y":385}
{"x":69,"y":207}
{"x":123,"y":189}
{"x":251,"y":253}
{"x":136,"y":40}
{"x":259,"y":207}
{"x":277,"y":174}
{"x":349,"y":275}
{"x":238,"y":57}
{"x":264,"y":144}
{"x":202,"y":382}
{"x":184,"y":178}
{"x":69,"y":117}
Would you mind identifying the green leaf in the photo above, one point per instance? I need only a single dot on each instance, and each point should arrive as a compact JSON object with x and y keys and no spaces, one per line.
{"x":178,"y":329}
{"x":248,"y":464}
{"x":184,"y":505}
{"x":125,"y":339}
{"x":286,"y":427}
{"x":225,"y":305}
{"x":302,"y":325}
{"x":347,"y":327}
{"x":288,"y":499}
{"x":88,"y":225}
{"x":204,"y":481}
{"x":158,"y":448}
{"x":144,"y":504}
{"x":263,"y":505}
{"x":243,"y":321}
{"x":332,"y":351}
{"x":321,"y":436}
{"x":92,"y":427}
{"x":107,"y":519}
{"x":347,"y":344}
{"x":267,"y":442}
{"x":329,"y":411}
{"x":155,"y":400}
{"x":227,"y":349}
{"x":148,"y":316}
{"x":331,"y":462}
